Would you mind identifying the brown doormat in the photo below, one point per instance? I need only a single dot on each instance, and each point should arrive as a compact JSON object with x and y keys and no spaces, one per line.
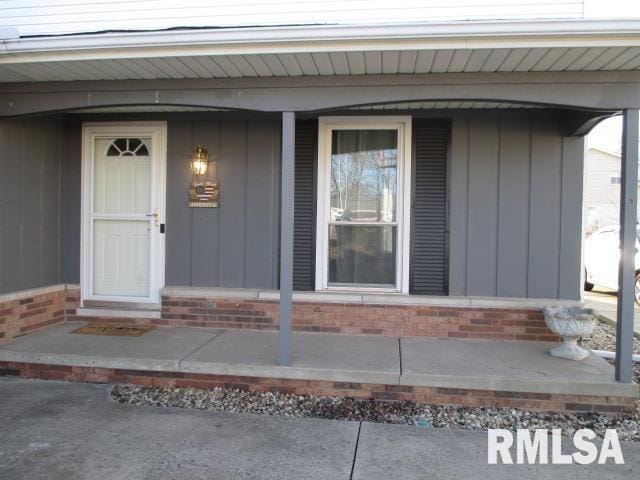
{"x":114,"y":330}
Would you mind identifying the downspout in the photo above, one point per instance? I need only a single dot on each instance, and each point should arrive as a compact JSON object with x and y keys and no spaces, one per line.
{"x":607,"y":354}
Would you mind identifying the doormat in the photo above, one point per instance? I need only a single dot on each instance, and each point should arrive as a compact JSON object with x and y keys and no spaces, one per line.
{"x":114,"y":330}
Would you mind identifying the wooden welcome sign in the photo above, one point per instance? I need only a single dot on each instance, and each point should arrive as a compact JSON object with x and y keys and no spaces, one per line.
{"x":203,"y":194}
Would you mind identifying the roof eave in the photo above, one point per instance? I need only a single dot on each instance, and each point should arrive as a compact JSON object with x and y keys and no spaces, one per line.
{"x":325,"y":38}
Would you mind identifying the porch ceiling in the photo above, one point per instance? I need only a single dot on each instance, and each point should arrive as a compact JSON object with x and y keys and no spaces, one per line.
{"x":330,"y":63}
{"x":326,"y":50}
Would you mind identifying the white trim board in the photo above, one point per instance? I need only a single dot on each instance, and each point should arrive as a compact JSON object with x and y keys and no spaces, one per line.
{"x":117,"y":313}
{"x":370,"y":298}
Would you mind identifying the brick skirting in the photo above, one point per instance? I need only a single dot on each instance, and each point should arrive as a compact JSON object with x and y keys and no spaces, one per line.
{"x":71,"y":302}
{"x":334,"y":317}
{"x":360,"y":318}
{"x":30,"y":310}
{"x":429,"y":395}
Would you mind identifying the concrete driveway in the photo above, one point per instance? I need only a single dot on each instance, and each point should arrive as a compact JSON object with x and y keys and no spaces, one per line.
{"x":605,"y":303}
{"x":65,"y":431}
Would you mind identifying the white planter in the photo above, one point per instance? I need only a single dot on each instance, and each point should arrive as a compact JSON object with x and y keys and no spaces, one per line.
{"x":570,"y":323}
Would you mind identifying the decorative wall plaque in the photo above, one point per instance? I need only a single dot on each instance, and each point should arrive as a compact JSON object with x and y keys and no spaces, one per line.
{"x":203,"y":194}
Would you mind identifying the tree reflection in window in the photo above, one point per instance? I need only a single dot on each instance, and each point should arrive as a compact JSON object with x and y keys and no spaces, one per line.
{"x":122,"y":147}
{"x":364,"y":169}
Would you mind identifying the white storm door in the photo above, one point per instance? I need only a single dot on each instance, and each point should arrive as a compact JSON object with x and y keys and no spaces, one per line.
{"x":124,"y":208}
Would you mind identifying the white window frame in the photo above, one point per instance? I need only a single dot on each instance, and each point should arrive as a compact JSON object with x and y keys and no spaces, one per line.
{"x":157,"y":131}
{"x":326,"y":125}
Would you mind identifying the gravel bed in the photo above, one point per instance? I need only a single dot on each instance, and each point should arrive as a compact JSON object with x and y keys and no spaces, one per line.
{"x":337,"y":408}
{"x":636,"y":369}
{"x":604,"y":338}
{"x":273,"y":403}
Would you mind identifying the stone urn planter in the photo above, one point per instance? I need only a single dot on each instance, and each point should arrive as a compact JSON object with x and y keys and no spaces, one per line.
{"x":570,"y":323}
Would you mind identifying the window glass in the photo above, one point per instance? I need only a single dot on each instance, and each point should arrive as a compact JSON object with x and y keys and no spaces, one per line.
{"x":127,"y":147}
{"x":362,"y":254}
{"x":362,"y":220}
{"x":364,"y":171}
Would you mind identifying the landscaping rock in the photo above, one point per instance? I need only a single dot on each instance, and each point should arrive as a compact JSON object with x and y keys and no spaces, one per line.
{"x":422,"y":415}
{"x":604,"y":338}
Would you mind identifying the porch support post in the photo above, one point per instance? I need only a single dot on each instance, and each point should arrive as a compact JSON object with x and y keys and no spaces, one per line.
{"x":628,"y":221}
{"x":286,"y":236}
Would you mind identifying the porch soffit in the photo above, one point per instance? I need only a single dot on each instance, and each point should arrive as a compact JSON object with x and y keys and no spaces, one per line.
{"x":327,"y":50}
{"x":371,"y":62}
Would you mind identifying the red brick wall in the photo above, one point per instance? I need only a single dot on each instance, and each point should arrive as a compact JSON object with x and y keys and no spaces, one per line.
{"x":431,"y":395}
{"x":392,"y":320}
{"x":39,"y":310}
{"x":71,"y":302}
{"x":26,"y":312}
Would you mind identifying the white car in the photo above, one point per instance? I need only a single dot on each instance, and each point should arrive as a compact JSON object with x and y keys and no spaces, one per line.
{"x":601,"y":259}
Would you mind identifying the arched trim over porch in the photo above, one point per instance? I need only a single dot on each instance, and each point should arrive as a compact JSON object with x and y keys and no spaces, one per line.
{"x":601,"y":91}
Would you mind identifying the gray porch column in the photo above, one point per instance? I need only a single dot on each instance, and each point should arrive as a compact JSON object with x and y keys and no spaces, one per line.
{"x":286,"y":237}
{"x":628,"y":220}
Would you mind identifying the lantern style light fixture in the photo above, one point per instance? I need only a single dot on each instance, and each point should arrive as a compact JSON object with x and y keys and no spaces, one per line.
{"x":200,"y":161}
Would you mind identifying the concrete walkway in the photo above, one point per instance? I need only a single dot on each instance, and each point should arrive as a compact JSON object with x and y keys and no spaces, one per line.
{"x":66,"y":431}
{"x":605,"y":303}
{"x":506,"y":366}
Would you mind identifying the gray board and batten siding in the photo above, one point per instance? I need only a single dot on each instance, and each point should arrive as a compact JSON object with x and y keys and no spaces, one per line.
{"x":235,"y":245}
{"x":516,"y":208}
{"x":30,"y":153}
{"x":510,"y":224}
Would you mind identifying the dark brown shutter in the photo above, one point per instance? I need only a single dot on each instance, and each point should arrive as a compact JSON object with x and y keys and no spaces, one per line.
{"x":304,"y":225}
{"x":428,"y":271}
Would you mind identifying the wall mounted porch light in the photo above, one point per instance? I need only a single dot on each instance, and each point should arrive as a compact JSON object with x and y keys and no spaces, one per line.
{"x":203,"y":192}
{"x":200,"y":161}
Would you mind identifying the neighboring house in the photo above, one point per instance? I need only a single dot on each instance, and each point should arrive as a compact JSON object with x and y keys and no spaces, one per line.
{"x":602,"y":189}
{"x":425,"y":163}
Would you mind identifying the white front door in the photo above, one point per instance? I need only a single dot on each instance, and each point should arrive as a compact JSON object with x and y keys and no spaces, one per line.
{"x":123,"y":213}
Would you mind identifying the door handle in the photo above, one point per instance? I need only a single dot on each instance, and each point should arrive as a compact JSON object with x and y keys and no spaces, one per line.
{"x":156,"y":216}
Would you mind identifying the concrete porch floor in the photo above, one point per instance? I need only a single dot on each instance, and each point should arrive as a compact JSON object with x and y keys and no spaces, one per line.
{"x":489,"y":365}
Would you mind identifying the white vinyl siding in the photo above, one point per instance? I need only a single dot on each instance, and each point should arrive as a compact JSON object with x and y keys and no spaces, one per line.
{"x":602,"y":195}
{"x":40,"y":17}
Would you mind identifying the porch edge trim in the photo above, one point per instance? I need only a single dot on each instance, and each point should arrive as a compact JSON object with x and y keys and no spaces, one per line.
{"x":310,"y":374}
{"x":368,"y":298}
{"x":32,"y":292}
